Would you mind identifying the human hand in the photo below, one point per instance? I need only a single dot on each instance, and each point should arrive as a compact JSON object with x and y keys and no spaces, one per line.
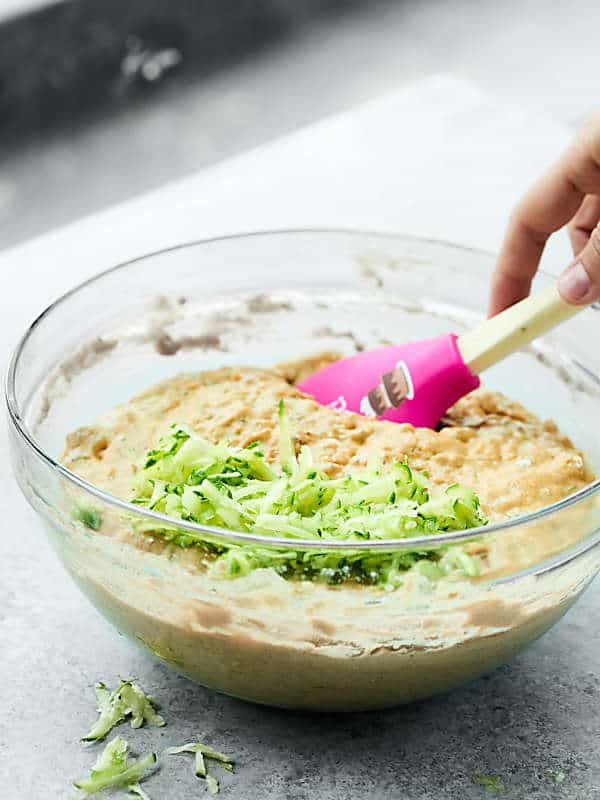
{"x":568,"y":193}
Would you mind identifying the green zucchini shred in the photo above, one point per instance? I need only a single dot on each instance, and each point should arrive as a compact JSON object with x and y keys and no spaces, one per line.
{"x":189,"y":478}
{"x":91,"y":518}
{"x":201,"y":753}
{"x":135,"y":790}
{"x":491,"y":783}
{"x":114,"y":769}
{"x":128,"y":700}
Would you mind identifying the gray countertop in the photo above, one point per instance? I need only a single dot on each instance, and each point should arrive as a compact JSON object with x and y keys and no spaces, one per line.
{"x":537,"y":717}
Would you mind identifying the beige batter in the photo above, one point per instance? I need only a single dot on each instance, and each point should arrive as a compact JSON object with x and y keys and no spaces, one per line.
{"x":343,"y":647}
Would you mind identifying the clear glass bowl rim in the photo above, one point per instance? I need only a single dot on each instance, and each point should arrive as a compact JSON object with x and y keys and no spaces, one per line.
{"x":239,"y":537}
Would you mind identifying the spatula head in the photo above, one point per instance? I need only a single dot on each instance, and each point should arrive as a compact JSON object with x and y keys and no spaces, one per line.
{"x":415,"y":383}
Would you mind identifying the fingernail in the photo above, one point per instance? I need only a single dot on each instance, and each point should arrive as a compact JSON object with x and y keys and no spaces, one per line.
{"x":574,"y":284}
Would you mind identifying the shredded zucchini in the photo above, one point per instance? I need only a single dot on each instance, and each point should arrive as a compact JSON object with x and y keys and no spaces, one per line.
{"x":113,"y":769}
{"x":91,"y":518}
{"x":127,"y":700}
{"x":491,"y":783}
{"x":190,"y":478}
{"x":136,"y":791}
{"x":558,"y":776}
{"x":201,"y":752}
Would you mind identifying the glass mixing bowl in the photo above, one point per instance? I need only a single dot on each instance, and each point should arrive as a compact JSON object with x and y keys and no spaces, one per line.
{"x":258,"y":300}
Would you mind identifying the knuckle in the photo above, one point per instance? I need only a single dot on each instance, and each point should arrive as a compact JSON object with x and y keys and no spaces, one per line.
{"x":595,"y":241}
{"x":590,"y":256}
{"x":592,"y":123}
{"x":515,"y":216}
{"x":588,"y":144}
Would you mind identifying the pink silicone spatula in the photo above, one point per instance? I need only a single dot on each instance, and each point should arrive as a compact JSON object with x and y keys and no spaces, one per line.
{"x":419,"y":381}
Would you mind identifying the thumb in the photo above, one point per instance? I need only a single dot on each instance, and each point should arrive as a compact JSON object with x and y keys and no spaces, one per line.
{"x":580,"y":282}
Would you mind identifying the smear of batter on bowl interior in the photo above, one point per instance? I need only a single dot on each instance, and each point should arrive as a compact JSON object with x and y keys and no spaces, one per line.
{"x":344,"y":646}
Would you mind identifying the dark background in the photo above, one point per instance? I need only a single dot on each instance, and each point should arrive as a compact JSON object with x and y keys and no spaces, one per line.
{"x":68,"y":61}
{"x":101,"y":100}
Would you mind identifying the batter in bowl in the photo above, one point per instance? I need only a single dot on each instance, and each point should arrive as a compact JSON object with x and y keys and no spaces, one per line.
{"x":346,"y":646}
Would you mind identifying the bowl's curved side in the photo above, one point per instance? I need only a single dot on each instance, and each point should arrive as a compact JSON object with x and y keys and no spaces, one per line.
{"x":324,"y":677}
{"x":312,"y":646}
{"x":269,"y":641}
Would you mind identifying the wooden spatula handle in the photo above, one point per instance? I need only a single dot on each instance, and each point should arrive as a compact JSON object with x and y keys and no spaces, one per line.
{"x":511,"y":329}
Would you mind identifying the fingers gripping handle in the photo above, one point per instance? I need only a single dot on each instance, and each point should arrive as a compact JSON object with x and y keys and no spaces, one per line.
{"x":513,"y":328}
{"x":580,"y":282}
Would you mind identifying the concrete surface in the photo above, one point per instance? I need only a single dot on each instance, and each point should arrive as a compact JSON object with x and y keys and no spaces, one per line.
{"x":540,"y":55}
{"x":526,"y":723}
